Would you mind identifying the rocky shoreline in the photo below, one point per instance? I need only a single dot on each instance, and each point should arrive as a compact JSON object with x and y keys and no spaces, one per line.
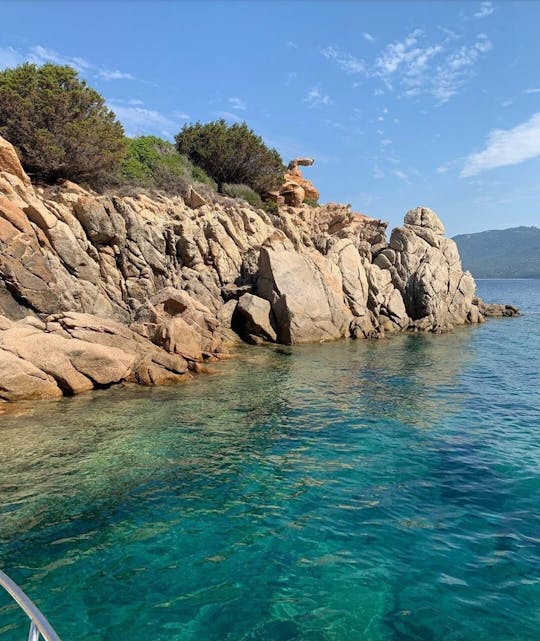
{"x":100,"y":289}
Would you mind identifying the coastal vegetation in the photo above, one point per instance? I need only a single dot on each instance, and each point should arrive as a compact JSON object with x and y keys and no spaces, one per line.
{"x":232,"y":154}
{"x":60,"y":126}
{"x":62,"y":129}
{"x":152,"y":162}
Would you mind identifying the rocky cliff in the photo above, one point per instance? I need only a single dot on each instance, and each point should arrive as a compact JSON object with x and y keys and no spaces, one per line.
{"x":98,"y":289}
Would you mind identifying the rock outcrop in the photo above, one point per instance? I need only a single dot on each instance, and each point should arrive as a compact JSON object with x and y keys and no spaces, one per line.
{"x":426,"y":270}
{"x":295,"y":188}
{"x":99,"y":289}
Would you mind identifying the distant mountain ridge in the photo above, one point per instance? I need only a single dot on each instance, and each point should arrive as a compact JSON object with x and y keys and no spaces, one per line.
{"x":501,"y":253}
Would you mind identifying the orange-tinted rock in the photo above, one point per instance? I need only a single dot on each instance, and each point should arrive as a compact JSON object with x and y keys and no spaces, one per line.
{"x":9,"y":161}
{"x":296,"y":189}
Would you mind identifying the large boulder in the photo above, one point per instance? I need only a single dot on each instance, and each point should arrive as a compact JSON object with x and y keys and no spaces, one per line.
{"x":425,"y":267}
{"x":20,"y":379}
{"x":305,"y":292}
{"x":75,"y":365}
{"x":182,"y":325}
{"x":353,"y":271}
{"x":253,"y":318}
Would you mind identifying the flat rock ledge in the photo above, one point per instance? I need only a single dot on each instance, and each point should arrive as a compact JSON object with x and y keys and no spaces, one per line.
{"x":100,"y":289}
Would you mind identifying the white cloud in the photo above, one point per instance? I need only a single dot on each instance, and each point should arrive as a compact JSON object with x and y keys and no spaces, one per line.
{"x":181,"y":115}
{"x":40,"y":55}
{"x":315,"y":98}
{"x":378,"y":174}
{"x":454,"y":71}
{"x":401,"y":175}
{"x":506,"y":147}
{"x":114,"y":74}
{"x":227,"y":115}
{"x":451,"y":35}
{"x":9,"y":57}
{"x":486,"y":9}
{"x":237,"y":103}
{"x":333,"y":123}
{"x":138,"y":120}
{"x":291,"y":77}
{"x":345,"y":61}
{"x":414,"y":66}
{"x":367,"y":36}
{"x":407,"y":56}
{"x":292,"y":45}
{"x":531,"y":90}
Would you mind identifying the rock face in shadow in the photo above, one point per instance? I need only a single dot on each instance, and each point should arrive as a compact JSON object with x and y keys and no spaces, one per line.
{"x":99,"y":289}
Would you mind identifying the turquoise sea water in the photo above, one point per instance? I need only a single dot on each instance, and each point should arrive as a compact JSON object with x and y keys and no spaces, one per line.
{"x":354,"y":491}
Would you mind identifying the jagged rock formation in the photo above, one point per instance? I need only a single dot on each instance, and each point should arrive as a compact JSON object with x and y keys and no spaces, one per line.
{"x":295,"y":188}
{"x":98,"y":289}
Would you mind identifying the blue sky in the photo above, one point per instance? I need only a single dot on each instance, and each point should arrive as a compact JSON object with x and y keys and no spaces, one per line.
{"x":400,"y":103}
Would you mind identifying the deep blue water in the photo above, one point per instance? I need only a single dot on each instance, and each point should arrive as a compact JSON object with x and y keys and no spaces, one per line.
{"x":354,"y":491}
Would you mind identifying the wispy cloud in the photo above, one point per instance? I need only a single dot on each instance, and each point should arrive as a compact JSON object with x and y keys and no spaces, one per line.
{"x":415,"y":65}
{"x":228,"y":115}
{"x":378,"y":173}
{"x":449,"y":33}
{"x":114,"y":74}
{"x":457,"y":68}
{"x":402,"y":176}
{"x":291,"y":77}
{"x":9,"y":57}
{"x":238,"y":103}
{"x":39,"y":55}
{"x":367,"y":36}
{"x":333,"y":123}
{"x":345,"y":61}
{"x":531,"y":90}
{"x":406,"y":56}
{"x":139,"y":120}
{"x":506,"y":147}
{"x":486,"y":9}
{"x":315,"y":98}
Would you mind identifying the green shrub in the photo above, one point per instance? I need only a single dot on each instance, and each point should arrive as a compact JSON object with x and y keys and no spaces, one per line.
{"x":311,"y":202}
{"x":242,"y":191}
{"x":270,"y":207}
{"x":231,"y":154}
{"x":153,"y":162}
{"x":60,"y":126}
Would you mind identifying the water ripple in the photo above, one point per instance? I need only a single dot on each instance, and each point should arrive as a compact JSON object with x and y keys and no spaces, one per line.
{"x":376,"y":491}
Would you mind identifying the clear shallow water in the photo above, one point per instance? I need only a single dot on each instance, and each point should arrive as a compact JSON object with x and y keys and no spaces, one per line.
{"x":351,"y":491}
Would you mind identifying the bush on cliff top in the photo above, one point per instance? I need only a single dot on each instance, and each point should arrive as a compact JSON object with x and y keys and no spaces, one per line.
{"x":242,"y":191}
{"x":60,"y":126}
{"x":231,"y":154}
{"x":154,"y":162}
